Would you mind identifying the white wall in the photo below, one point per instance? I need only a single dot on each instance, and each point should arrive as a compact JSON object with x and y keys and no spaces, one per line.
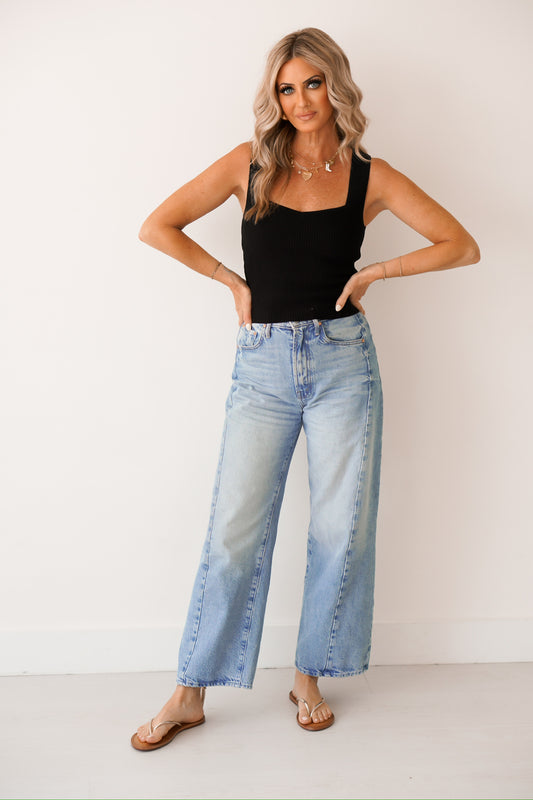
{"x":116,"y":360}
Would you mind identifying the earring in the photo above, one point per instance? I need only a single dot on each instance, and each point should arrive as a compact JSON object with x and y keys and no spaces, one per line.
{"x":283,"y":116}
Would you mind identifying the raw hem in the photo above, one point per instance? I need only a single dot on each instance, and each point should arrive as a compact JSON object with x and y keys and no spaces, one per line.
{"x":332,"y":673}
{"x":225,"y":682}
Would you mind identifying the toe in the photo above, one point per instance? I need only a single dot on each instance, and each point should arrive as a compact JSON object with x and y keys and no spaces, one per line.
{"x":322,"y":714}
{"x":141,"y":733}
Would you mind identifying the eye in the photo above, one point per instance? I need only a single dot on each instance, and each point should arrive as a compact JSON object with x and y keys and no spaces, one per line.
{"x":286,"y":90}
{"x":314,"y":84}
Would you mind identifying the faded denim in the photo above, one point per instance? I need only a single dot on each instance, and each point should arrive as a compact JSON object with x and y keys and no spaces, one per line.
{"x":324,"y":376}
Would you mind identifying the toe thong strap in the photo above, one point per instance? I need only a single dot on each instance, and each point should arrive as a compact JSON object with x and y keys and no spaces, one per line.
{"x":306,"y":704}
{"x":320,"y":703}
{"x":171,"y":721}
{"x":168,"y":722}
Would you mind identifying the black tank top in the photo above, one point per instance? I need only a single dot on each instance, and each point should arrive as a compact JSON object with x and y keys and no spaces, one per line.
{"x":296,"y":263}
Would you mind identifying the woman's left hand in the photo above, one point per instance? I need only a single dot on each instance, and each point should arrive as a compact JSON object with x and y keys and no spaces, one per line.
{"x":356,"y":287}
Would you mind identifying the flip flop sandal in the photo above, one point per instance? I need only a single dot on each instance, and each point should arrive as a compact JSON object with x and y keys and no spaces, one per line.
{"x":311,"y":726}
{"x":178,"y":727}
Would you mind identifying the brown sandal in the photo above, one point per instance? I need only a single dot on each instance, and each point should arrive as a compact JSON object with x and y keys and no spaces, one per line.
{"x":178,"y":727}
{"x":311,"y":726}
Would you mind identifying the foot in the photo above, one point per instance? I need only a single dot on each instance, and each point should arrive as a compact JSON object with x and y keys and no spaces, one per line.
{"x":185,"y":705}
{"x":306,"y":686}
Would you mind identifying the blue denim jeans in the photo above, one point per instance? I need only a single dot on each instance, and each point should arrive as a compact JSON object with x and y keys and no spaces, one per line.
{"x":324,"y":376}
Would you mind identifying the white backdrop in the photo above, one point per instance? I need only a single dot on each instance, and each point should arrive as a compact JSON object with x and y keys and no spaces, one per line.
{"x":116,"y":360}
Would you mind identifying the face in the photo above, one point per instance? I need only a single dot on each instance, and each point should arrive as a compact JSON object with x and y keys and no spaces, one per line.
{"x":303,"y":96}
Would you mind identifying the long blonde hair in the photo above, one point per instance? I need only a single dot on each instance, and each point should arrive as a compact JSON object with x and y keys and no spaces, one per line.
{"x":272,"y":139}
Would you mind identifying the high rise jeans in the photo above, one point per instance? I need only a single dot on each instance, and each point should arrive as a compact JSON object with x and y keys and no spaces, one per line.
{"x":323,"y":375}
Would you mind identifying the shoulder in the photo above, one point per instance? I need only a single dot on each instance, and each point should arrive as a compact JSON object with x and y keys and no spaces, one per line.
{"x":239,"y":158}
{"x":385,"y":180}
{"x":229,"y":173}
{"x":236,"y":165}
{"x":380,"y":169}
{"x":387,"y":177}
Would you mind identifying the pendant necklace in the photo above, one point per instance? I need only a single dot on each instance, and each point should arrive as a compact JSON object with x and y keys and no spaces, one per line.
{"x":308,"y":172}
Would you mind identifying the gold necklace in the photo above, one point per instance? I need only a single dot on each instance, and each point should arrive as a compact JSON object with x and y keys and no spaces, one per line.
{"x":307,"y":172}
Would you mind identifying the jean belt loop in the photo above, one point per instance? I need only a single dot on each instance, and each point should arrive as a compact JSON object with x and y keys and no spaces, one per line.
{"x":317,"y":327}
{"x":267,"y":330}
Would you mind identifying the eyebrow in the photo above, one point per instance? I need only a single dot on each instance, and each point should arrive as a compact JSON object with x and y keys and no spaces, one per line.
{"x":284,"y":83}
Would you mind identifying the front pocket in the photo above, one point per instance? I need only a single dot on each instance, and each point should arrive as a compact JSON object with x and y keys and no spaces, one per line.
{"x":343,"y":331}
{"x":250,"y":340}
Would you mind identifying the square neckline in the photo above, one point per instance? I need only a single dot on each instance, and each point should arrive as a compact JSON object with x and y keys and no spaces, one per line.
{"x":329,"y":208}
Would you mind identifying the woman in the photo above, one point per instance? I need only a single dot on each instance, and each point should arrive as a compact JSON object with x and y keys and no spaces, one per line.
{"x":305,"y":357}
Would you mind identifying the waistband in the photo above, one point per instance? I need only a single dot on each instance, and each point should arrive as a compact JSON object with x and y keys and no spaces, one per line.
{"x":295,"y":326}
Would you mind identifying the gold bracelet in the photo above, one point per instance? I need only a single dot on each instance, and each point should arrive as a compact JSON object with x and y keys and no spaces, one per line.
{"x":401,"y":272}
{"x":217,"y":266}
{"x":384,"y":271}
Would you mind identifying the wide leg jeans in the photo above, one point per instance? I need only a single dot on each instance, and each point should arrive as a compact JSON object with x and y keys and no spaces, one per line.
{"x":321,"y":375}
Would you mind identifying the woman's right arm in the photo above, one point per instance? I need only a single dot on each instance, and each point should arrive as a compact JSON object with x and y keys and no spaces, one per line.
{"x":163,"y":229}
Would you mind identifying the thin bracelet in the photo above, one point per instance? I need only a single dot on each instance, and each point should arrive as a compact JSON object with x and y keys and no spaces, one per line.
{"x":401,"y":272}
{"x":217,"y":266}
{"x":384,"y":271}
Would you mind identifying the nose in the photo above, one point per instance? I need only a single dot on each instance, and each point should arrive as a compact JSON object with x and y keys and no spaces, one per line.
{"x":302,"y":98}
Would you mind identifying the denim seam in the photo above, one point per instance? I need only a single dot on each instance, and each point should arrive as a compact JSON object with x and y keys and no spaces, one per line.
{"x":207,"y":554}
{"x":343,"y":342}
{"x":355,"y":514}
{"x":259,"y":568}
{"x":303,"y":389}
{"x":294,"y":369}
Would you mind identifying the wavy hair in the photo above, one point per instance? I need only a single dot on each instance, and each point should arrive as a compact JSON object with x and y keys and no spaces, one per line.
{"x":273,"y":135}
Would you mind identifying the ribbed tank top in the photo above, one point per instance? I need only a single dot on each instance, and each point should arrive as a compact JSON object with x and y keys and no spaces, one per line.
{"x":296,"y":263}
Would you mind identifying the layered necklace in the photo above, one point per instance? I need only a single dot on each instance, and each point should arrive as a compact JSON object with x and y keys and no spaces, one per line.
{"x":308,"y":172}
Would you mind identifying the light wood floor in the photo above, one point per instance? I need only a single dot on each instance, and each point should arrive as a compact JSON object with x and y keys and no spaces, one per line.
{"x":451,"y":731}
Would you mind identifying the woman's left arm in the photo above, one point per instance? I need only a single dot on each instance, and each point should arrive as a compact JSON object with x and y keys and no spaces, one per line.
{"x":452,"y":245}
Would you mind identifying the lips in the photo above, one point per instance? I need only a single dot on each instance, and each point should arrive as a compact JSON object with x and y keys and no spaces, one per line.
{"x":306,"y":117}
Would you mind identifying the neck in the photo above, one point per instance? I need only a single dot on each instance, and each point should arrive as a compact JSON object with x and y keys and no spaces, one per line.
{"x":316,"y":146}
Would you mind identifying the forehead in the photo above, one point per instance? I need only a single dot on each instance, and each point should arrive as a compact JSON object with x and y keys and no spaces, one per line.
{"x":297,"y":70}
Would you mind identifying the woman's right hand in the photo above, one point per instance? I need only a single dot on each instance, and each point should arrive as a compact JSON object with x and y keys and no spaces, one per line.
{"x":243,"y":302}
{"x":241,"y":294}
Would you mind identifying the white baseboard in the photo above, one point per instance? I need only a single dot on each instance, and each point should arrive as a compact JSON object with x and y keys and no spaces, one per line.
{"x":61,"y":652}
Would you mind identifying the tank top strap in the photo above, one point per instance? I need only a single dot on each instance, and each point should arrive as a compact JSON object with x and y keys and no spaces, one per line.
{"x":357,"y":187}
{"x":249,"y":195}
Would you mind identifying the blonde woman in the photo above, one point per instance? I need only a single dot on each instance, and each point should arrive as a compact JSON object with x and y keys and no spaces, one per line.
{"x":305,"y":358}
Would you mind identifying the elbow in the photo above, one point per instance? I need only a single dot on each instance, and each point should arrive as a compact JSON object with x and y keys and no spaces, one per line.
{"x":474,"y":253}
{"x":144,"y":233}
{"x":470,"y":253}
{"x":152,"y":232}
